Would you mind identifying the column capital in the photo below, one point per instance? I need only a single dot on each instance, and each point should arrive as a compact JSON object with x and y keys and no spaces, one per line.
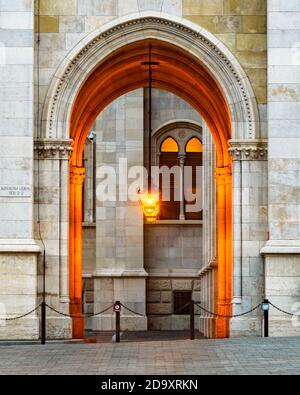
{"x":224,"y":175}
{"x":53,"y":149}
{"x":77,"y":175}
{"x":242,"y":150}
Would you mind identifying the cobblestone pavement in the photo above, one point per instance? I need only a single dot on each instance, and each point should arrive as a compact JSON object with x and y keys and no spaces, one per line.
{"x":243,"y":356}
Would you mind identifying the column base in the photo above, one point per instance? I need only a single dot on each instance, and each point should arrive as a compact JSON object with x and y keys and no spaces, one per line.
{"x":78,"y":331}
{"x":222,"y":324}
{"x":206,"y":326}
{"x":246,"y":326}
{"x":59,"y":328}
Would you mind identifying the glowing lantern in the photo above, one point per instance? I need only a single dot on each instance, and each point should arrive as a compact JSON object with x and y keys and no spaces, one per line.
{"x":150,"y":204}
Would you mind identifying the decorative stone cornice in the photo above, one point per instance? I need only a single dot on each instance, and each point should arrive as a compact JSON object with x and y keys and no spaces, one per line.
{"x":249,"y":150}
{"x":53,"y":149}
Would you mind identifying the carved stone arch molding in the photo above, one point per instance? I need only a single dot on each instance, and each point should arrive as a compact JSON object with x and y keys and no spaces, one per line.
{"x":94,"y":48}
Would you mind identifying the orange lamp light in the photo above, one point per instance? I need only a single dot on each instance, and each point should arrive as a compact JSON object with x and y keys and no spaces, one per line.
{"x":151,"y":208}
{"x":150,"y":200}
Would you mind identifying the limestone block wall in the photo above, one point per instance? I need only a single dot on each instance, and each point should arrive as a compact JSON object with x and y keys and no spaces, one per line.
{"x":18,"y":251}
{"x":282,"y":259}
{"x":171,"y":249}
{"x":173,"y":255}
{"x":160,"y":301}
{"x":64,"y":23}
{"x":168,"y":107}
{"x":242,"y":26}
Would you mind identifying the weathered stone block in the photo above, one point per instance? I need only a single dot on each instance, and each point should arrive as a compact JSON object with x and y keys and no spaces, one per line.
{"x":159,"y":285}
{"x":58,"y":7}
{"x":253,"y":7}
{"x":254,"y":24}
{"x":47,"y":24}
{"x":251,"y":42}
{"x":202,"y":7}
{"x":182,"y":285}
{"x":157,"y":308}
{"x":166,"y":297}
{"x":153,"y":297}
{"x":97,"y":7}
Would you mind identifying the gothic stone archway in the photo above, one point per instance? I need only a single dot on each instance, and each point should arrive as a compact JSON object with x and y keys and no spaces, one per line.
{"x":194,"y":66}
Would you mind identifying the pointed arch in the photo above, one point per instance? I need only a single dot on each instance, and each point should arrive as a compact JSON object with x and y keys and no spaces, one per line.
{"x":169,"y":145}
{"x":194,"y":65}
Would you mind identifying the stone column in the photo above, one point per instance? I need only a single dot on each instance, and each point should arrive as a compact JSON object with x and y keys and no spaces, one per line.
{"x":224,"y":248}
{"x":209,"y":267}
{"x":182,"y":201}
{"x":77,"y":176}
{"x":250,"y":232}
{"x":18,"y":250}
{"x":282,"y":252}
{"x":51,"y":209}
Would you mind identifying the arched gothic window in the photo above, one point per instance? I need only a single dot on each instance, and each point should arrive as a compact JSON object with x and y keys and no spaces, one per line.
{"x":181,"y":165}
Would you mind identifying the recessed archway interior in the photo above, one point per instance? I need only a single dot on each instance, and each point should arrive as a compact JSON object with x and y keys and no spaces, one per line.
{"x":181,"y":74}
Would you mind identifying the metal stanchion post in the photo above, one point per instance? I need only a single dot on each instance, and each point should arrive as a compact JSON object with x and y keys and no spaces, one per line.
{"x":192,"y":319}
{"x":43,"y":312}
{"x":43,"y":323}
{"x":266,"y":308}
{"x":117,"y":310}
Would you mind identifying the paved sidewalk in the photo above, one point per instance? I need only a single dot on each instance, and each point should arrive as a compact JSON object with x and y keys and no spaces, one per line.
{"x":243,"y":356}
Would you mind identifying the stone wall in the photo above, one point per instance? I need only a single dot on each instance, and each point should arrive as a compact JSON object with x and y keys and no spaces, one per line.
{"x":242,"y":26}
{"x":18,"y":251}
{"x":160,"y":301}
{"x":282,"y":253}
{"x":239,"y":24}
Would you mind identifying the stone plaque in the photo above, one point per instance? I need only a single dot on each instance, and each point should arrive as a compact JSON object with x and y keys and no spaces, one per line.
{"x":15,"y":191}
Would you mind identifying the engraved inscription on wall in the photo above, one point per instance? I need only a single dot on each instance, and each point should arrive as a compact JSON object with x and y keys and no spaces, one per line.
{"x":15,"y":191}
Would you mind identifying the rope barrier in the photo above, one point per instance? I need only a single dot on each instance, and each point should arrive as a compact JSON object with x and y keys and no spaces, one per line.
{"x":227,"y":316}
{"x":77,"y":316}
{"x":21,"y":316}
{"x":283,"y":311}
{"x":131,"y":311}
{"x":156,"y":315}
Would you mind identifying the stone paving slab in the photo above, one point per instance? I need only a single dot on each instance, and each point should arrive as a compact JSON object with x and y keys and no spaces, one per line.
{"x":183,"y":357}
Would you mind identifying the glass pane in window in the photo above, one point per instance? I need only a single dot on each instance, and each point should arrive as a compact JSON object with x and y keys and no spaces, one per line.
{"x":169,"y":145}
{"x":194,"y":145}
